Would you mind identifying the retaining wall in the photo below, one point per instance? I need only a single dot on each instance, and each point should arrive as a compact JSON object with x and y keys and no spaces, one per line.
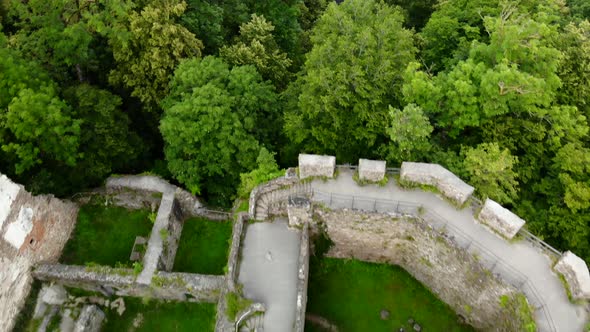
{"x":450,"y":272}
{"x":302,"y":279}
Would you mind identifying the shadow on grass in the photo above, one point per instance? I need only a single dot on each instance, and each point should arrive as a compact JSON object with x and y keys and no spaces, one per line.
{"x":351,"y":295}
{"x":203,"y":247}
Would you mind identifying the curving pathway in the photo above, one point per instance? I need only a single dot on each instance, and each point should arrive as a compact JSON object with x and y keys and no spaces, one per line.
{"x":519,"y":256}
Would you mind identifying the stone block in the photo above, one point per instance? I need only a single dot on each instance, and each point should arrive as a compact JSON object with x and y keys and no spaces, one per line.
{"x":299,"y":211}
{"x":90,"y":319}
{"x":575,"y":272}
{"x":54,"y":295}
{"x":500,"y":219}
{"x":316,"y":165}
{"x":450,"y":185}
{"x":371,"y":170}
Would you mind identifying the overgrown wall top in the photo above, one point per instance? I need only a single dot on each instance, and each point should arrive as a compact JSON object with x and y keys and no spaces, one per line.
{"x":435,"y":175}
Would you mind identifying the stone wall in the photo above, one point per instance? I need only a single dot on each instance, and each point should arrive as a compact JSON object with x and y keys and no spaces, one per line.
{"x":371,"y":170}
{"x":302,"y":279}
{"x":234,"y":251}
{"x":32,"y":229}
{"x":121,"y":282}
{"x":435,"y":175}
{"x":500,"y":219}
{"x":267,"y":187}
{"x":299,"y":211}
{"x":575,"y":272}
{"x":316,"y":165}
{"x":450,"y":272}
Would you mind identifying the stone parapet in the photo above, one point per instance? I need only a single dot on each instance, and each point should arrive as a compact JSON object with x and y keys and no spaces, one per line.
{"x":234,"y":251}
{"x":500,"y":219}
{"x":575,"y":272}
{"x":316,"y":165}
{"x":371,"y":170}
{"x":450,"y":185}
{"x":302,"y":279}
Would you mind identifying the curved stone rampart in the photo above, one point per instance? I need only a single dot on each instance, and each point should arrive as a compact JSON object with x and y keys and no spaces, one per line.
{"x":450,"y":185}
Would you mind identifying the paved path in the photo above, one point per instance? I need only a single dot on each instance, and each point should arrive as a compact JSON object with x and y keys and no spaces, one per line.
{"x":268,"y":271}
{"x":520,"y":256}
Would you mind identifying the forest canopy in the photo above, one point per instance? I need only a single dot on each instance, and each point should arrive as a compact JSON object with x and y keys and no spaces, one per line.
{"x":214,"y":95}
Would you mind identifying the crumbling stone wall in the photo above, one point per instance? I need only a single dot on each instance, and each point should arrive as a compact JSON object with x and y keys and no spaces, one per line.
{"x":450,"y":272}
{"x":122,"y":282}
{"x":234,"y":251}
{"x":267,"y":187}
{"x":34,"y":229}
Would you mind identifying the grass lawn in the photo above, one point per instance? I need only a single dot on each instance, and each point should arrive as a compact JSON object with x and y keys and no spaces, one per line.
{"x":351,"y":295}
{"x":203,"y":247}
{"x":162,"y":317}
{"x":105,"y":235}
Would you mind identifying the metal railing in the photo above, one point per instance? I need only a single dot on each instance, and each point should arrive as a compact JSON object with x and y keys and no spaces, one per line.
{"x":488,"y":259}
{"x":388,"y":170}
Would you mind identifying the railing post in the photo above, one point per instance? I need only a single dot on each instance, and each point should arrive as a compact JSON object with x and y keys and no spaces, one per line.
{"x":375,"y":206}
{"x":330,"y":199}
{"x":352,"y":203}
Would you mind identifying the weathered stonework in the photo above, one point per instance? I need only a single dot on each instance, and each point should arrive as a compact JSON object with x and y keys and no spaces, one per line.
{"x":371,"y":170}
{"x":267,"y":187}
{"x":500,"y":219}
{"x":234,"y":251}
{"x":302,"y":279}
{"x":32,"y":229}
{"x":316,"y":165}
{"x":435,"y":175}
{"x":90,"y":319}
{"x":450,"y":272}
{"x":575,"y":272}
{"x":121,"y":282}
{"x":299,"y":211}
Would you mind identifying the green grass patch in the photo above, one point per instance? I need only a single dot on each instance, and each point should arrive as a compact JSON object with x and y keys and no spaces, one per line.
{"x":105,"y":235}
{"x":203,"y":247}
{"x":235,"y":304}
{"x":351,"y":295}
{"x":162,"y":316}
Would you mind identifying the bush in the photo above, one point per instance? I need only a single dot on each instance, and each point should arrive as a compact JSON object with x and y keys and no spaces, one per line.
{"x":266,"y":171}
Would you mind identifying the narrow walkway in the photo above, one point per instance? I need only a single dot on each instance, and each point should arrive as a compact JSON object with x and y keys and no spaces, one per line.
{"x":520,"y":256}
{"x":268,"y":271}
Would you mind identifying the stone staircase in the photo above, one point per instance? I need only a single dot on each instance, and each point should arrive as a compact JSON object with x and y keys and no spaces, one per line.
{"x":273,"y":199}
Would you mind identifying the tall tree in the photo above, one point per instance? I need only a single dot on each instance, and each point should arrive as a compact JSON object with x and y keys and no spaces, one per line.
{"x":148,"y":49}
{"x":35,"y":124}
{"x":490,"y":171}
{"x":211,"y":125}
{"x":256,"y":46}
{"x":409,"y":132}
{"x":350,"y":77}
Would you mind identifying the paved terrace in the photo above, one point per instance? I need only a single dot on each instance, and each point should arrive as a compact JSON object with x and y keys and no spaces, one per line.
{"x":268,"y":271}
{"x":554,"y":311}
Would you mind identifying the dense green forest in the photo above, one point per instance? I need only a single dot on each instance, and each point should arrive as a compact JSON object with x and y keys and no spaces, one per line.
{"x":203,"y":91}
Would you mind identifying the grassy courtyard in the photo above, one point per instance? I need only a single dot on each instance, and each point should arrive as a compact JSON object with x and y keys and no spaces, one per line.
{"x":351,"y":294}
{"x":157,"y":316}
{"x":105,"y":235}
{"x":203,"y":247}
